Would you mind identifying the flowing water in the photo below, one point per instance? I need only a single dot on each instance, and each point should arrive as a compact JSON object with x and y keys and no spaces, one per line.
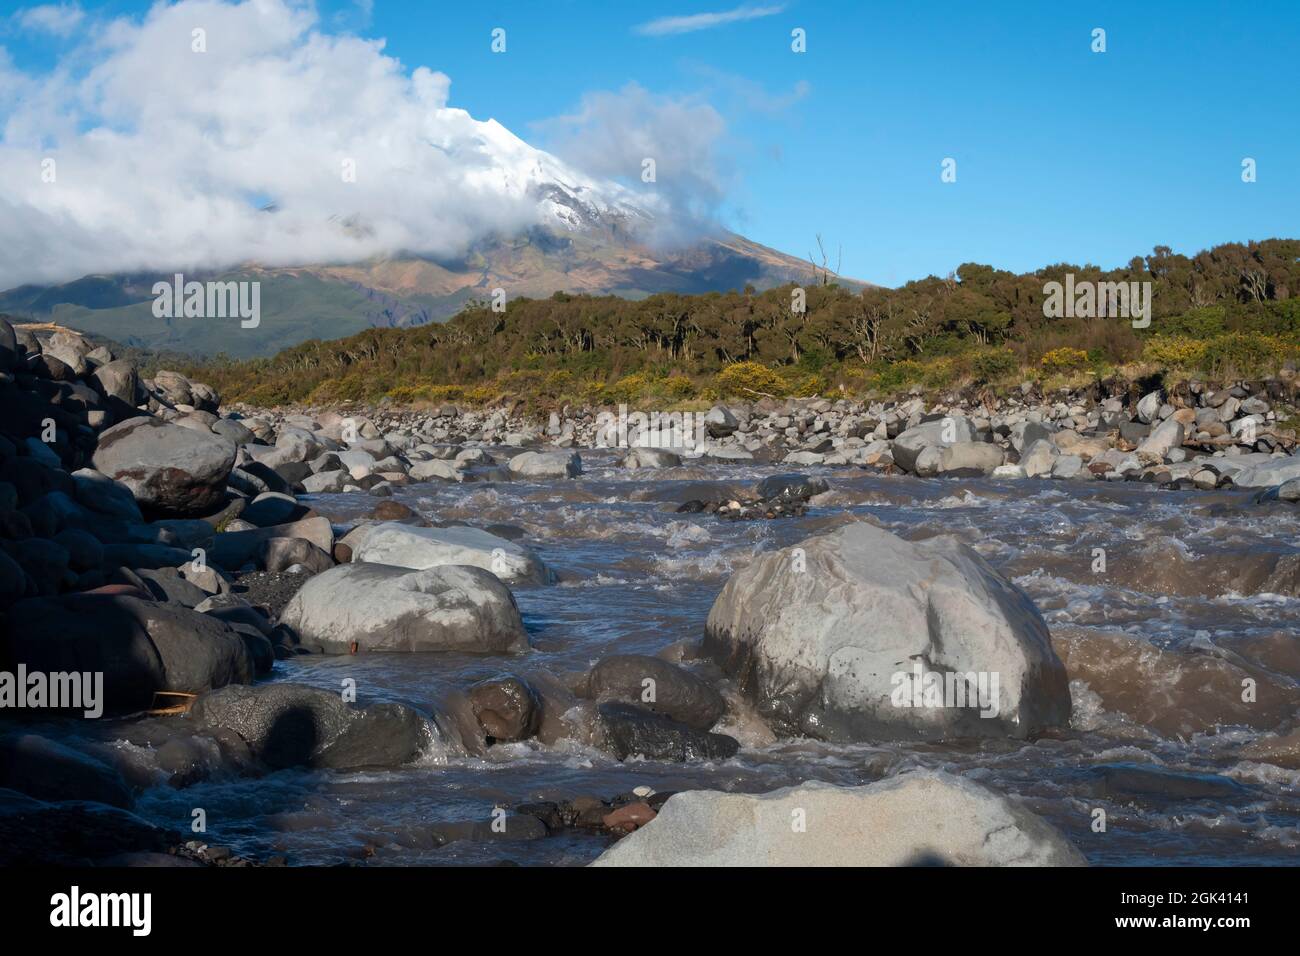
{"x":1161,"y":644}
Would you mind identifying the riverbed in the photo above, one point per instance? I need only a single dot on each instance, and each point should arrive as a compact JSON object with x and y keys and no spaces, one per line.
{"x":1159,"y":602}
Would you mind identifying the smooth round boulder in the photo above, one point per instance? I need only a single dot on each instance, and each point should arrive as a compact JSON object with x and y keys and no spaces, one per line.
{"x":926,"y":818}
{"x":507,"y":708}
{"x":172,"y":471}
{"x":536,"y":464}
{"x":858,"y":635}
{"x":909,"y":444}
{"x":379,"y":608}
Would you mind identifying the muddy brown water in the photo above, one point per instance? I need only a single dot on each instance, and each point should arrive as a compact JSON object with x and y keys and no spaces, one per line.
{"x":1196,"y":601}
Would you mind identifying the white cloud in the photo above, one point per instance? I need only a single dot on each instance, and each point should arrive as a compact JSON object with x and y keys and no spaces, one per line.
{"x":163,"y":155}
{"x":612,"y":134}
{"x":57,"y":18}
{"x":664,"y":26}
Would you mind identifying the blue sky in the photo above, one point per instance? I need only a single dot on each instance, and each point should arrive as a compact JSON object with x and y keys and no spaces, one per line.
{"x":1062,"y":154}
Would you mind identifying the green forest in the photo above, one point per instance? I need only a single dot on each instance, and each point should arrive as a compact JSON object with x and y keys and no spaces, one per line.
{"x":1232,"y":311}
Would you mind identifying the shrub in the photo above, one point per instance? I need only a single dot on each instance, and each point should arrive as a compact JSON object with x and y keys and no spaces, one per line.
{"x":991,"y":365}
{"x":1174,"y":351}
{"x":1064,"y":359}
{"x":745,"y":378}
{"x":1243,"y":354}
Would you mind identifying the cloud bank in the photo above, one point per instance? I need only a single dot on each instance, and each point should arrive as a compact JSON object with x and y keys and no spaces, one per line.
{"x":164,"y":151}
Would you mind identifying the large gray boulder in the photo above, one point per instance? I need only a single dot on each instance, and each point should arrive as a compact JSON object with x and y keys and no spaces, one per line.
{"x":536,"y":464}
{"x":1162,"y":440}
{"x":118,"y":380}
{"x":961,"y":460}
{"x":171,"y":470}
{"x":923,"y":818}
{"x":290,"y":725}
{"x":860,"y":635}
{"x":908,"y":446}
{"x":382,"y":608}
{"x":233,"y":549}
{"x":408,"y":546}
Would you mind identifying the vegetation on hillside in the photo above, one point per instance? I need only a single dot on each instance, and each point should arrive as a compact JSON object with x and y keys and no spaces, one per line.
{"x":1231,"y":311}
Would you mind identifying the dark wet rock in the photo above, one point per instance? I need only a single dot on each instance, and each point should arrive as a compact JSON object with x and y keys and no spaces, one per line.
{"x":280,"y":554}
{"x":629,"y":731}
{"x":166,"y":584}
{"x":171,"y":470}
{"x":291,"y":725}
{"x":84,"y":549}
{"x":507,"y":827}
{"x":393,"y":511}
{"x":48,"y":770}
{"x":1124,"y":781}
{"x":797,"y":487}
{"x":234,"y":549}
{"x":72,"y":833}
{"x":507,"y":708}
{"x":656,"y":685}
{"x":44,"y":561}
{"x":274,"y":508}
{"x":140,"y":646}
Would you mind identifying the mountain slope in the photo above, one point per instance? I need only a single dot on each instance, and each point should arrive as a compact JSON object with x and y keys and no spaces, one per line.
{"x":584,"y":236}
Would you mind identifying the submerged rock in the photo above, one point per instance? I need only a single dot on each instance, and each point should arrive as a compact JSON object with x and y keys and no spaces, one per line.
{"x":629,"y":731}
{"x":860,"y":635}
{"x":292,"y":725}
{"x":917,"y":819}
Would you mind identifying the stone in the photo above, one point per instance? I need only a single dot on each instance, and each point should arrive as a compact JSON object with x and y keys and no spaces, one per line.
{"x":378,"y":608}
{"x":410,"y":546}
{"x":827,"y":639}
{"x":140,"y":646}
{"x":925,"y":818}
{"x":650,"y":458}
{"x":628,"y":731}
{"x":172,"y":471}
{"x":507,"y":708}
{"x":658,"y":686}
{"x":947,"y":431}
{"x":291,"y":725}
{"x":535,"y":464}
